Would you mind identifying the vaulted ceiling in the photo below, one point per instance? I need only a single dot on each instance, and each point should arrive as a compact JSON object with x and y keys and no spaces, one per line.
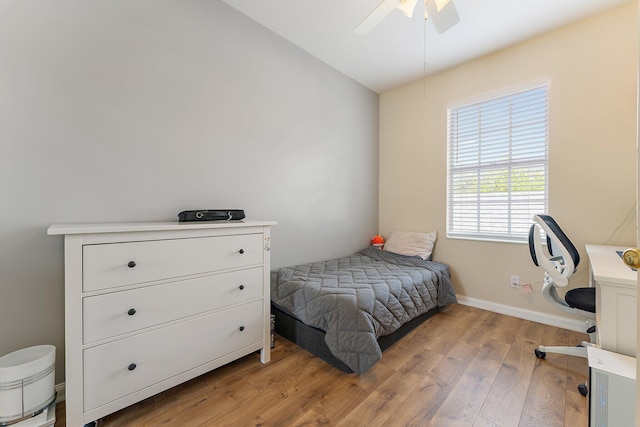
{"x":402,"y":49}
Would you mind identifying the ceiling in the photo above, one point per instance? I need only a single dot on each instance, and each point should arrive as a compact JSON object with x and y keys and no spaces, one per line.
{"x":395,"y":52}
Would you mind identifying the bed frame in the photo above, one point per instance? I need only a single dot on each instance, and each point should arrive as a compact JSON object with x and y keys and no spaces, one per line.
{"x":312,"y":339}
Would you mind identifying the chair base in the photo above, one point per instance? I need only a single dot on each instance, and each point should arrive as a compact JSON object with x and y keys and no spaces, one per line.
{"x":579,"y":351}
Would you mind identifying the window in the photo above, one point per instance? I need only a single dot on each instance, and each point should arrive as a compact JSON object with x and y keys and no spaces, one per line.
{"x":497,"y":165}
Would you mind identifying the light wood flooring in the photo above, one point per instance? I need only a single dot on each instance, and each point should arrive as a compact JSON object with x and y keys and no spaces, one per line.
{"x":463,"y":367}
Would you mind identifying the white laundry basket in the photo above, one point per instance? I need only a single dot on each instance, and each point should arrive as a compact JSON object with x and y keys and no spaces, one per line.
{"x":27,"y":382}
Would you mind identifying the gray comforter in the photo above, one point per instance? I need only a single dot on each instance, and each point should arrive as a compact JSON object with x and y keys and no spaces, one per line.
{"x":361,"y":297}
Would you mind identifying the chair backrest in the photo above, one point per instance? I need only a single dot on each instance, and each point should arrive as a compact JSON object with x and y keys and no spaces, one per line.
{"x":563,"y":256}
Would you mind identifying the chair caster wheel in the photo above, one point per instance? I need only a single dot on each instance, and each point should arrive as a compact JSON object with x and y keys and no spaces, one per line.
{"x":583,"y":389}
{"x":540,"y":354}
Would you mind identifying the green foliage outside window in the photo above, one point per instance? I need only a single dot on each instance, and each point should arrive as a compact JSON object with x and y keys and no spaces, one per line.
{"x":497,"y":181}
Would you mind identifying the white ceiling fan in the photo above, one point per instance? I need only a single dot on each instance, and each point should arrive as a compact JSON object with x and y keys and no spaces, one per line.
{"x":443,"y":13}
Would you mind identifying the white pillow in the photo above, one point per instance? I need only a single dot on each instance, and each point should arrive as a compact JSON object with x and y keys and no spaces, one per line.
{"x":411,"y":243}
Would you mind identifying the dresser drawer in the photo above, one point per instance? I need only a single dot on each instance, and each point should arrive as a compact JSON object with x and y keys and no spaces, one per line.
{"x":119,"y":368}
{"x":116,"y":313}
{"x":119,"y":264}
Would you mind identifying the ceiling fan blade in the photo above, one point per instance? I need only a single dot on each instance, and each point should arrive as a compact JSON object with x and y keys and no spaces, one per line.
{"x":443,"y":13}
{"x":407,"y":7}
{"x":375,"y":17}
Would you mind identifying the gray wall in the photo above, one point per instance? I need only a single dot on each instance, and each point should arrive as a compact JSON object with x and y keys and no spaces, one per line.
{"x":135,"y":110}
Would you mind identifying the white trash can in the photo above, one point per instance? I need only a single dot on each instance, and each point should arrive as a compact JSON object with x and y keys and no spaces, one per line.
{"x":27,"y":382}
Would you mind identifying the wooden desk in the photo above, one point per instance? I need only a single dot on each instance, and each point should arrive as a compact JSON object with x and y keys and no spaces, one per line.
{"x":616,"y":299}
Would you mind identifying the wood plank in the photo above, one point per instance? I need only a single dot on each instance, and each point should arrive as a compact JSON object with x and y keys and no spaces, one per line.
{"x":576,"y":408}
{"x":382,"y":402}
{"x":546,"y":395}
{"x":506,"y":398}
{"x":421,"y":406}
{"x":464,"y":402}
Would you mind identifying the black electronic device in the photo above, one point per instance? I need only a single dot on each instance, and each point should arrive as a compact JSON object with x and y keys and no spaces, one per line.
{"x":211,"y":215}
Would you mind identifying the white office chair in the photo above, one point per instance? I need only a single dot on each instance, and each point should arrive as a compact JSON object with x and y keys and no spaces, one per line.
{"x":559,"y":261}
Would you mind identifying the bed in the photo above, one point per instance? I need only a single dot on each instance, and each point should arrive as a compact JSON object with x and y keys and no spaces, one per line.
{"x":347,"y":310}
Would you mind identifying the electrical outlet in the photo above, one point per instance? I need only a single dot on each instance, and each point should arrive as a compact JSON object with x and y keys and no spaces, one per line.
{"x":515,"y":281}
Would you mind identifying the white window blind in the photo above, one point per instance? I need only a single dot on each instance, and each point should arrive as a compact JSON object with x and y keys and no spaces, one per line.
{"x":497,"y":165}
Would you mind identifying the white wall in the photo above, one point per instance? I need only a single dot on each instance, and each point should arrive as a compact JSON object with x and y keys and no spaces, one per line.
{"x":135,"y":110}
{"x":592,"y":67}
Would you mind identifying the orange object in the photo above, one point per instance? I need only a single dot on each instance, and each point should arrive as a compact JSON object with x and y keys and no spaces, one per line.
{"x":377,"y":240}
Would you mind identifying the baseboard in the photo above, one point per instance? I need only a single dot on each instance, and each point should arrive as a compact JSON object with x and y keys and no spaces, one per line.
{"x":521,"y":313}
{"x":59,"y":392}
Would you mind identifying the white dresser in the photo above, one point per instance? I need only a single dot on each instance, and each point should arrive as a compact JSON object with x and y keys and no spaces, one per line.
{"x":151,"y":305}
